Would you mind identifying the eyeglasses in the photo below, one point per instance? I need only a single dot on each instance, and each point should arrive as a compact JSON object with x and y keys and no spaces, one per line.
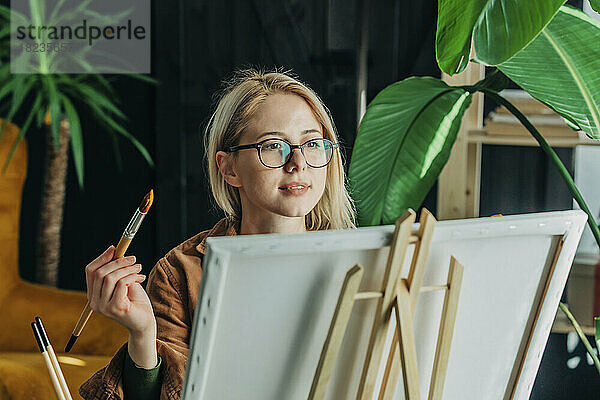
{"x":275,"y":153}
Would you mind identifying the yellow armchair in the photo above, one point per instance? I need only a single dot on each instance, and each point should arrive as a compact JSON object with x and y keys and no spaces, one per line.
{"x":23,"y":374}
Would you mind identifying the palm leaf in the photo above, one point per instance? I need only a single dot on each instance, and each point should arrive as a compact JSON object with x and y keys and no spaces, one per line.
{"x":565,"y":55}
{"x":403,"y":142}
{"x":55,"y":11}
{"x":104,"y":118}
{"x":40,"y":115}
{"x":76,"y":138}
{"x":100,"y":99}
{"x":5,"y":32}
{"x":21,"y":86}
{"x":143,"y":78}
{"x":499,"y":29}
{"x":4,"y":91}
{"x":97,"y":18}
{"x":118,"y":128}
{"x":71,"y":15}
{"x":54,"y":105}
{"x":104,"y":84}
{"x":23,"y":131}
{"x":88,"y":94}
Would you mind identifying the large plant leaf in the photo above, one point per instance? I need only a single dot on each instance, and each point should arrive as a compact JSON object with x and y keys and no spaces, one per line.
{"x":403,"y":142}
{"x":494,"y":81}
{"x":560,"y":68}
{"x":499,"y":29}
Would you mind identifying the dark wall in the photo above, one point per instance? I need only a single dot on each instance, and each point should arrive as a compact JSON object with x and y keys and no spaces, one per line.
{"x":202,"y":43}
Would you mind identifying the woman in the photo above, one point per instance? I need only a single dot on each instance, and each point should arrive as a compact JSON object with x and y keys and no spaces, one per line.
{"x":274,"y":167}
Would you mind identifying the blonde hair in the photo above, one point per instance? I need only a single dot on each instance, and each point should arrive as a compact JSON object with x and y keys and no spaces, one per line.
{"x":242,"y":96}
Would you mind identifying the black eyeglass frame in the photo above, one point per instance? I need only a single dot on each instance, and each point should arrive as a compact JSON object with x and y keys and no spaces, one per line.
{"x":258,"y":146}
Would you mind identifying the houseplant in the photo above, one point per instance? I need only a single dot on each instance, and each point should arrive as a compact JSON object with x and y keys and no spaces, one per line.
{"x":55,"y":100}
{"x":543,"y":46}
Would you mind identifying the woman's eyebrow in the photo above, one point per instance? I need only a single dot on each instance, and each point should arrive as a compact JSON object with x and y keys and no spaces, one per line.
{"x":278,"y":133}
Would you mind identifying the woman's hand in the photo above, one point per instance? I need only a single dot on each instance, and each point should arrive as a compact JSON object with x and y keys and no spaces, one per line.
{"x":114,"y":290}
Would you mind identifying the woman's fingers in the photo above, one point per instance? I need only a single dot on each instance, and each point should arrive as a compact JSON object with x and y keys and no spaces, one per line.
{"x":98,"y":262}
{"x":116,"y":303}
{"x":111,"y":280}
{"x":97,"y":277}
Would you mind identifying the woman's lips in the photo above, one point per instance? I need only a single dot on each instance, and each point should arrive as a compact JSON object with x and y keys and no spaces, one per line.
{"x":295,"y":190}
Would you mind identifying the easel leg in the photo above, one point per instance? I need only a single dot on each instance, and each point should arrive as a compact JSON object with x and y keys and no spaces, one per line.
{"x":337,"y":329}
{"x":392,"y":369}
{"x":417,"y":268}
{"x":413,"y":283}
{"x":444,"y":342}
{"x":448,"y":318}
{"x":406,"y":341}
{"x":382,"y":314}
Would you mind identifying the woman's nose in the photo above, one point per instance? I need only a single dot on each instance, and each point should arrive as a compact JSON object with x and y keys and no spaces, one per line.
{"x":296,"y":161}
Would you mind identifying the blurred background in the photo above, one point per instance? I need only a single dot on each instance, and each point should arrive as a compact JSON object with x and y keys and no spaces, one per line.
{"x":339,"y":48}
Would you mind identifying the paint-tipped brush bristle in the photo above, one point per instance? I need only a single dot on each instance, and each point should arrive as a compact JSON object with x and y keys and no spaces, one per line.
{"x":147,"y":202}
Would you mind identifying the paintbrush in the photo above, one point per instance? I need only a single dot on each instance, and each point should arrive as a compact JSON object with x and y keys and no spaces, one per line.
{"x":128,"y":234}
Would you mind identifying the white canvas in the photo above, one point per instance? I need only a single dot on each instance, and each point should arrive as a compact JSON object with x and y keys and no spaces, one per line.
{"x":266,"y":303}
{"x":587,"y":163}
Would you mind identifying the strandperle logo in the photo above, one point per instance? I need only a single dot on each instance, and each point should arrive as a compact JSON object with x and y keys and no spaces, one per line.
{"x":80,"y":36}
{"x":82,"y":32}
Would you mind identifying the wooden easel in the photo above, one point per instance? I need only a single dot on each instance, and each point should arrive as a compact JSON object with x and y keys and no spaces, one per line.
{"x":398,"y":297}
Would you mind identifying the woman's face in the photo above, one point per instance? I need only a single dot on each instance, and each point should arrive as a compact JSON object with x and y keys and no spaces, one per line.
{"x":263,"y":190}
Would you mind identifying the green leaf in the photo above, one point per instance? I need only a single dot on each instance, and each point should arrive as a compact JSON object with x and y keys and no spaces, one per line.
{"x":102,"y":19}
{"x":22,"y":85}
{"x":4,"y":90}
{"x":111,"y":124}
{"x":595,"y":5}
{"x":54,"y":105}
{"x":144,"y":78}
{"x":76,"y":138}
{"x":5,"y":12}
{"x":103,"y":82}
{"x":403,"y":142}
{"x":100,"y":99}
{"x":499,"y":29}
{"x":455,"y":23}
{"x":40,"y":115}
{"x":23,"y":131}
{"x":560,"y":68}
{"x":494,"y":81}
{"x":55,"y":11}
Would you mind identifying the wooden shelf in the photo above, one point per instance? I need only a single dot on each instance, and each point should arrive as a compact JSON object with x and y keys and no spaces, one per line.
{"x":481,"y":136}
{"x":563,"y":325}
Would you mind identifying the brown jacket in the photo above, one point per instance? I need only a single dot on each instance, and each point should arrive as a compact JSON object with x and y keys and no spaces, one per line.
{"x":173,"y":286}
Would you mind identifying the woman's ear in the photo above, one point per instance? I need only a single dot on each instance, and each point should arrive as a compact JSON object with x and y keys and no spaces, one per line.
{"x":225,"y":163}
